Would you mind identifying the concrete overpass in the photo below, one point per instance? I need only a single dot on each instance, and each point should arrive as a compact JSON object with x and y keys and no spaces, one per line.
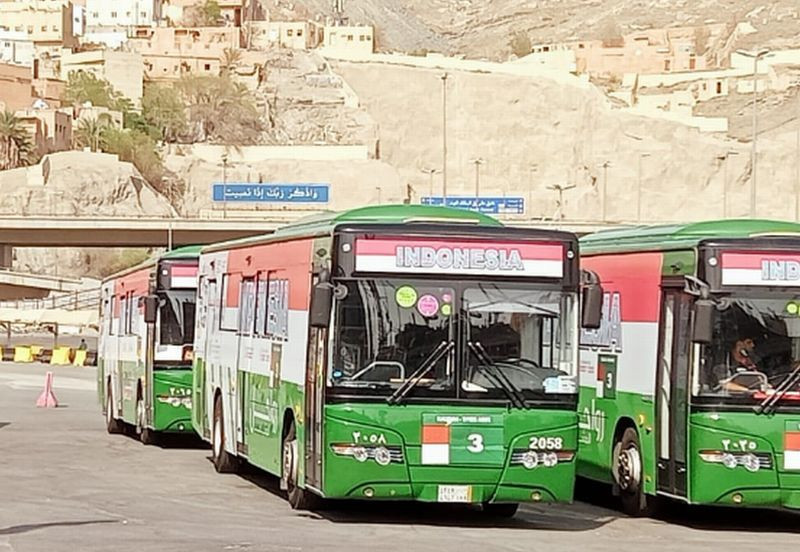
{"x":61,"y":231}
{"x":21,"y":285}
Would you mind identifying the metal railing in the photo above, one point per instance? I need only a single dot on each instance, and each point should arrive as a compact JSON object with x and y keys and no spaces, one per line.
{"x":87,"y":299}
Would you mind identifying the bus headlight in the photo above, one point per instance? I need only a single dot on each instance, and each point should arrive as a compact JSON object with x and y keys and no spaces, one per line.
{"x":382,"y":456}
{"x":751,"y":461}
{"x":530,"y":460}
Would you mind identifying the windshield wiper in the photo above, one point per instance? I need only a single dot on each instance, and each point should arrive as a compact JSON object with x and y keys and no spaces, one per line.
{"x":771,"y":402}
{"x":443,"y":348}
{"x":497,"y":376}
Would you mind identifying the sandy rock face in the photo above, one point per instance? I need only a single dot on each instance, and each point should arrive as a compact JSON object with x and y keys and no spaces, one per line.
{"x":80,"y":183}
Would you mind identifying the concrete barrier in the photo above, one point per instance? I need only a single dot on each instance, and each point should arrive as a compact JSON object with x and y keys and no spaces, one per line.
{"x":60,"y":356}
{"x":80,"y":358}
{"x":23,"y":354}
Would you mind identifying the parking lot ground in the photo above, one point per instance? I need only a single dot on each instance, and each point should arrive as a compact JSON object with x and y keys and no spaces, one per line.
{"x":65,"y":484}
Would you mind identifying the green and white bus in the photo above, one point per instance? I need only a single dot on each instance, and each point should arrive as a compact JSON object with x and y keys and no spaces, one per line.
{"x":689,"y":388}
{"x":144,"y":361}
{"x":394,"y":353}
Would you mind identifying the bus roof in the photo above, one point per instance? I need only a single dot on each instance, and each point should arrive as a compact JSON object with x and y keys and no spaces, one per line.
{"x":682,"y":236}
{"x":324,"y":223}
{"x":186,"y":252}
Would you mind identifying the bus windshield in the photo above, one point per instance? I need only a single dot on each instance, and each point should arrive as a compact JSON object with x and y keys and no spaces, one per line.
{"x":525,"y":337}
{"x":389,"y":331}
{"x":176,"y":317}
{"x":756,"y":346}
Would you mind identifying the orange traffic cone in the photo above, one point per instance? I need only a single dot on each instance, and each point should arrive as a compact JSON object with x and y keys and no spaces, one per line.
{"x":47,"y":399}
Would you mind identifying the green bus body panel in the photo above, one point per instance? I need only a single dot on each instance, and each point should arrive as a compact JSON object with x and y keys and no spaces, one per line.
{"x":742,"y":432}
{"x":489,"y":472}
{"x":325,"y":223}
{"x":172,"y":400}
{"x":132,"y":373}
{"x":599,"y":420}
{"x":681,"y":236}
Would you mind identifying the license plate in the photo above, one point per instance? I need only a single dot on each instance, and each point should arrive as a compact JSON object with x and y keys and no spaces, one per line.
{"x":455,"y":493}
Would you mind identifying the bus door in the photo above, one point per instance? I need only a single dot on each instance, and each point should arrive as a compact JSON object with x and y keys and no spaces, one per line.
{"x":247,"y":315}
{"x":672,"y":392}
{"x":315,"y":382}
{"x":211,"y":327}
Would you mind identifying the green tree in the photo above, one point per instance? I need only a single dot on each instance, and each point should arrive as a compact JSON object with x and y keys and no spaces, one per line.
{"x":231,"y":57}
{"x":220,"y":109}
{"x":16,"y":145}
{"x":85,"y":87}
{"x":90,"y":133}
{"x":211,"y":13}
{"x":521,"y":44}
{"x":164,"y":111}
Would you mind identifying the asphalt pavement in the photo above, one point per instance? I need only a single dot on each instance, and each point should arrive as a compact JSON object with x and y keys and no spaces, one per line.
{"x":66,"y":485}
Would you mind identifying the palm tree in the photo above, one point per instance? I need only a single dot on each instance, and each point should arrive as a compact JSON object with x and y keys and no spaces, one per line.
{"x":231,"y":57}
{"x":90,"y":133}
{"x":16,"y":146}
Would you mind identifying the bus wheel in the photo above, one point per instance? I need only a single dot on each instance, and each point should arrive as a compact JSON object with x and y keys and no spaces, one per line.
{"x":629,"y":474}
{"x":146,"y":436}
{"x":112,"y":424}
{"x":224,"y":462}
{"x":501,"y":510}
{"x":299,"y":499}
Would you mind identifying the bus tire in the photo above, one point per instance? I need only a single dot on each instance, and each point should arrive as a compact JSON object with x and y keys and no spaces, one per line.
{"x":503,"y":510}
{"x":146,"y":435}
{"x":112,"y":424}
{"x":224,"y":462}
{"x":299,"y":498}
{"x":629,"y":475}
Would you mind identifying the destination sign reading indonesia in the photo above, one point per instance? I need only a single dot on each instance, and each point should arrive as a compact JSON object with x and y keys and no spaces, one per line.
{"x":277,"y":193}
{"x":471,"y":257}
{"x":774,"y":268}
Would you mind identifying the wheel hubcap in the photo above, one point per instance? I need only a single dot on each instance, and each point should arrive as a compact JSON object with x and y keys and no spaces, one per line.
{"x":289,"y":466}
{"x":139,"y":417}
{"x":630,"y":469}
{"x":217,"y":438}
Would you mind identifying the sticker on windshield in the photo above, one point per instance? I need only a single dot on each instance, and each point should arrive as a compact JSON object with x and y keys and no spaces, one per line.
{"x":560,"y":384}
{"x":428,"y":305}
{"x":446,"y":310}
{"x":406,"y":296}
{"x":792,"y":308}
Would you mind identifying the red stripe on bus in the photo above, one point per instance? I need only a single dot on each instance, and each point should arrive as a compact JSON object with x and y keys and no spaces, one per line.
{"x":436,"y":434}
{"x":527,"y":250}
{"x":636,"y":277}
{"x":791,"y":440}
{"x":753,"y":260}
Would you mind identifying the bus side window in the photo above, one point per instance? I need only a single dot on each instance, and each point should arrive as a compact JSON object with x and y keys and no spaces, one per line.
{"x":262,"y":304}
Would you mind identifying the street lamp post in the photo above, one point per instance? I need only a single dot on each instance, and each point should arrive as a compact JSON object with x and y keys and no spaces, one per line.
{"x":797,"y":165}
{"x":430,"y":173}
{"x":560,"y":189}
{"x":603,"y":208}
{"x":725,"y":158}
{"x":532,"y":168}
{"x":224,"y":185}
{"x":754,"y":154}
{"x":444,"y":137}
{"x":478,"y":162}
{"x":639,"y":189}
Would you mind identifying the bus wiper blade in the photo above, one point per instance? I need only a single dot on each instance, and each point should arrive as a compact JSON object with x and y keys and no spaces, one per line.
{"x":490,"y":369}
{"x":771,"y":402}
{"x":443,"y":348}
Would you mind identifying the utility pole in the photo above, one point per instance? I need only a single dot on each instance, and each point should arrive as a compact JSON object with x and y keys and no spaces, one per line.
{"x":639,"y":189}
{"x":477,"y":162}
{"x":725,"y":158}
{"x":224,"y":185}
{"x":603,"y":201}
{"x":532,"y":168}
{"x":430,"y":173}
{"x":754,"y":154}
{"x":444,"y":137}
{"x":560,"y":189}
{"x":797,"y":164}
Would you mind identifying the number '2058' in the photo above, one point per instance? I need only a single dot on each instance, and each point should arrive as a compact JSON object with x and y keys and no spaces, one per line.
{"x":546,"y":443}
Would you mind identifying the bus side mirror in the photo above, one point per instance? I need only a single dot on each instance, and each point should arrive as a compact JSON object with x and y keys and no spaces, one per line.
{"x":703,"y":328}
{"x":150,"y":309}
{"x":321,"y":303}
{"x":592,"y":301}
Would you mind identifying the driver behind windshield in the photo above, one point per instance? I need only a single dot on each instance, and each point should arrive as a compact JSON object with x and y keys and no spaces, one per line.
{"x":740,"y":373}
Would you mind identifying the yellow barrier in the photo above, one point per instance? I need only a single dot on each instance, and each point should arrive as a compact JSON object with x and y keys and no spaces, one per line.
{"x":60,"y":355}
{"x":80,"y":358}
{"x":36,"y":350}
{"x":23,"y":354}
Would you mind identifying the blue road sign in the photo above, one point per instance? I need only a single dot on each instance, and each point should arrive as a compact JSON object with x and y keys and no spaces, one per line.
{"x":276,"y":193}
{"x":487,"y":205}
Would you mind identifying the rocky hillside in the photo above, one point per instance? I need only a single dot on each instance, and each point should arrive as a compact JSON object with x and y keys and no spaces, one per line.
{"x":477,"y":28}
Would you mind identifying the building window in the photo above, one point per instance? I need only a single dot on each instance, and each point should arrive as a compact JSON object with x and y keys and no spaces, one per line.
{"x":363,"y":38}
{"x":290,"y":32}
{"x":581,"y":46}
{"x":719,"y":87}
{"x":692,"y":63}
{"x":143,"y":14}
{"x":114,"y":15}
{"x":350,"y":38}
{"x":666,"y":65}
{"x":208,"y":66}
{"x":30,"y":29}
{"x":44,"y":28}
{"x":95,"y":15}
{"x":299,"y":32}
{"x":55,"y":28}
